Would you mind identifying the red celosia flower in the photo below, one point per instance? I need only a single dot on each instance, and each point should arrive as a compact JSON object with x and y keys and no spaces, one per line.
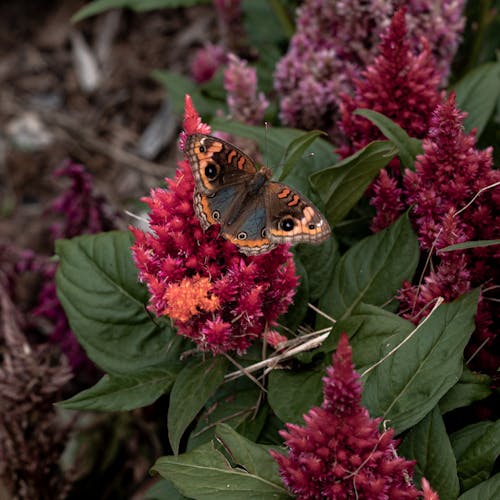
{"x":399,"y":84}
{"x":246,"y":104}
{"x":447,"y":176}
{"x":207,"y":60}
{"x":218,"y":297}
{"x":429,"y":493}
{"x":387,"y":200}
{"x":83,"y":212}
{"x":340,"y":453}
{"x":274,"y":338}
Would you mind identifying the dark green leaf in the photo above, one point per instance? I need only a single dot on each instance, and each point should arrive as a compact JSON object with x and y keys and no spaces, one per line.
{"x":369,"y":327}
{"x":408,"y":147}
{"x":123,"y":392}
{"x":487,"y":490}
{"x":106,"y":307}
{"x":471,"y":387}
{"x":205,"y":474}
{"x":470,"y":244}
{"x":177,"y":86}
{"x":477,"y":93}
{"x":98,"y":6}
{"x":296,"y":150}
{"x":476,"y":453}
{"x":410,"y":382}
{"x":262,"y":24}
{"x":193,"y":386}
{"x":466,"y":437}
{"x":236,"y":409}
{"x":163,"y":490}
{"x":319,"y":262}
{"x":293,"y":394}
{"x":372,"y":270}
{"x":342,"y":185}
{"x":428,"y":444}
{"x":273,"y":143}
{"x":254,"y":458}
{"x":296,"y":313}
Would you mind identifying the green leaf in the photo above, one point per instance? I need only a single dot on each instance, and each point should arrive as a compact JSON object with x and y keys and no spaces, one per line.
{"x":372,"y":270}
{"x":106,"y":306}
{"x":470,"y":244}
{"x":319,"y":262}
{"x":178,"y":85}
{"x":487,"y":490}
{"x":368,"y":328}
{"x":410,"y":382}
{"x":477,"y":93}
{"x":408,"y":147}
{"x":476,"y":452}
{"x":254,"y":458}
{"x":273,"y":143}
{"x":163,"y":490}
{"x":428,"y":444}
{"x":292,"y":394}
{"x":342,"y":185}
{"x":205,"y":474}
{"x":296,"y":150}
{"x":236,"y":408}
{"x":193,"y":386}
{"x":471,"y":387}
{"x":123,"y":392}
{"x":98,"y":6}
{"x":466,"y":437}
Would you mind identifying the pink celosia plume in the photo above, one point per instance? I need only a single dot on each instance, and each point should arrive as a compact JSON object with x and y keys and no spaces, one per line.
{"x":447,"y":176}
{"x":339,"y":453}
{"x":399,"y":84}
{"x":218,"y":297}
{"x":334,"y":41}
{"x":246,"y":103}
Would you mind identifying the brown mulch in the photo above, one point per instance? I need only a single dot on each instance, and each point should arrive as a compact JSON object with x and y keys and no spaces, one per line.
{"x":46,"y":64}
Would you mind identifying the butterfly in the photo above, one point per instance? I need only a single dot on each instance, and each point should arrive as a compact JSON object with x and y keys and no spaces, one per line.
{"x":254,"y":212}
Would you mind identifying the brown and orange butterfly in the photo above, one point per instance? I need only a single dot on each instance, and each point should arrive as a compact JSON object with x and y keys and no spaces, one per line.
{"x":254,"y":212}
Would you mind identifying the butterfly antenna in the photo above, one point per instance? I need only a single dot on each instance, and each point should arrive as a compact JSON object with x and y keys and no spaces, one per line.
{"x":267,"y":126}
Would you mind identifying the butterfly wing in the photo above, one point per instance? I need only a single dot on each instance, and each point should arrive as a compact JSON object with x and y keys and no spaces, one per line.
{"x":217,"y":164}
{"x":292,"y":218}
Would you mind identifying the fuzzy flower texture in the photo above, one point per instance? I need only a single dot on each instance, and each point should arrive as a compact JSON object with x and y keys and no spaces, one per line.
{"x":216,"y":296}
{"x":340,"y":453}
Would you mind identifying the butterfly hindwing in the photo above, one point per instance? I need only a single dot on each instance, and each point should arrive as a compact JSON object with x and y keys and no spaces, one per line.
{"x":292,"y":218}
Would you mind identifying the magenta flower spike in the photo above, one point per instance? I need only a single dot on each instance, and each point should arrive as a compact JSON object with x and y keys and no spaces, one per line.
{"x":335,"y":41}
{"x":340,"y":453}
{"x":399,"y":84}
{"x":449,"y":174}
{"x":216,"y":296}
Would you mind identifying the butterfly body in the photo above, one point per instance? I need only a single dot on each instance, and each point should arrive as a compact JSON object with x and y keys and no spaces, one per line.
{"x":254,"y":212}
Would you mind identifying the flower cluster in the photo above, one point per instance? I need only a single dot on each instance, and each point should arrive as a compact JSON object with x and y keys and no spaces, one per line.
{"x":246,"y":104}
{"x":399,"y":84}
{"x":335,"y":40}
{"x":215,"y":295}
{"x":449,"y":174}
{"x":82,"y":212}
{"x":339,"y":452}
{"x":207,"y":60}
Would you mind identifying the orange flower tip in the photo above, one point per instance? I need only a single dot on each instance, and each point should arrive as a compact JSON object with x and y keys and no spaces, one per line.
{"x":187,"y":298}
